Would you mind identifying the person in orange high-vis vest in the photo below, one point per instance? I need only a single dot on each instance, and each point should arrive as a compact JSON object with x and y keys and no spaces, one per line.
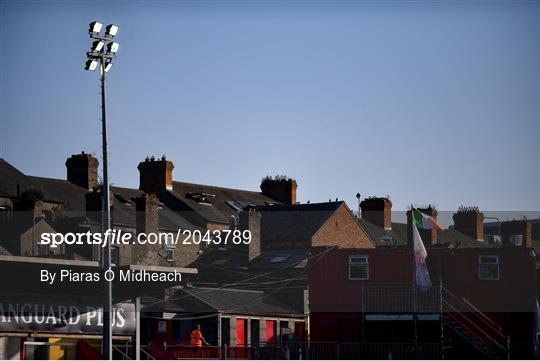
{"x":197,"y":338}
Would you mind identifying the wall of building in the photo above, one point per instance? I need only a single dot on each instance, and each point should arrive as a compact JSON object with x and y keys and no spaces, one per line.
{"x":335,"y":292}
{"x":343,"y":230}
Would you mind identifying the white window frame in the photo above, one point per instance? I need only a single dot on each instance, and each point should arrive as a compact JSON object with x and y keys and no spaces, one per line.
{"x":357,"y":260}
{"x":115,"y":262}
{"x":482,"y":262}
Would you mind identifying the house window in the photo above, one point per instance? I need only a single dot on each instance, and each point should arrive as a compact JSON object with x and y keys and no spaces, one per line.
{"x":488,"y":267}
{"x":115,"y":255}
{"x":358,"y":268}
{"x":43,"y":249}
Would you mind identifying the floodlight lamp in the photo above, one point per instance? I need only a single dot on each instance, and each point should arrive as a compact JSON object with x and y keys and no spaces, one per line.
{"x":111,"y":30}
{"x":95,"y":27}
{"x":91,"y":65}
{"x":108,"y":67}
{"x":112,"y":48}
{"x":97,"y":46}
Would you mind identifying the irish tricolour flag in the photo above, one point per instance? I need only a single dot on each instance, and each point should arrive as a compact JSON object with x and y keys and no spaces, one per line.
{"x":420,"y":220}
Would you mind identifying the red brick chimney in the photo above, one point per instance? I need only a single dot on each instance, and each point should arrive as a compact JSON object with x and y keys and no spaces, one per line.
{"x":469,"y":221}
{"x":429,"y":236}
{"x":82,"y":169}
{"x":512,"y":231}
{"x":282,"y":189}
{"x":377,"y":210}
{"x":155,"y":175}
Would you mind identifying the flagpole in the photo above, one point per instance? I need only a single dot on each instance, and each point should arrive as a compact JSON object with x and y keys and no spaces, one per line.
{"x":414,"y":282}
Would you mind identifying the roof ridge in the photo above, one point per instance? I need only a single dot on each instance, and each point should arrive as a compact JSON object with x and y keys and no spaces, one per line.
{"x":218,"y":187}
{"x":127,"y":188}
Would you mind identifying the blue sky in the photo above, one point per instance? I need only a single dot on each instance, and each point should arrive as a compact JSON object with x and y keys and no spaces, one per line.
{"x":428,"y":102}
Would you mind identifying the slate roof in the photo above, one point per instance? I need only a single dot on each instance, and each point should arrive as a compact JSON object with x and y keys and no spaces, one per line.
{"x":293,"y":223}
{"x":277,"y":259}
{"x":446,"y":238}
{"x":61,"y":191}
{"x":228,"y":268}
{"x":242,"y":302}
{"x":397,"y":235}
{"x":224,"y":203}
{"x":10,"y":178}
{"x":73,"y":197}
{"x":452,"y":238}
{"x":124,"y":211}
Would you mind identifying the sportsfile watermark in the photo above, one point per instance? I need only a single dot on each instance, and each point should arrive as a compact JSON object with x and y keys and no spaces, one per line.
{"x":117,"y":237}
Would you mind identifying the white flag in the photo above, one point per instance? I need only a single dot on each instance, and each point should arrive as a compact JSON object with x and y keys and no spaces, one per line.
{"x":420,"y":255}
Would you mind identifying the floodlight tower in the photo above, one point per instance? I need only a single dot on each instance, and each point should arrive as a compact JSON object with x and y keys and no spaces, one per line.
{"x":102,"y":53}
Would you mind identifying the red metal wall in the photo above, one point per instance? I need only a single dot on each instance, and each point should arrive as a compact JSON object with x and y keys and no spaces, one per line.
{"x":331,"y":290}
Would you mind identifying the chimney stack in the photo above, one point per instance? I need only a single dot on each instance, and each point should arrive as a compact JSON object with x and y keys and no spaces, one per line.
{"x":155,"y":175}
{"x":378,"y":211}
{"x":147,"y":218}
{"x":94,"y":205}
{"x":429,"y":236}
{"x":147,"y":221}
{"x":280,"y":188}
{"x":469,"y":221}
{"x":82,"y":169}
{"x":250,"y":219}
{"x":516,"y":231}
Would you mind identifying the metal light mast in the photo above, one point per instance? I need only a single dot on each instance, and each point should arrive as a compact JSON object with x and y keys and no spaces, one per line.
{"x":102,"y":53}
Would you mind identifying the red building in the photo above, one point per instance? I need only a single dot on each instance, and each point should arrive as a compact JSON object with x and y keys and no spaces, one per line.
{"x":482,"y":301}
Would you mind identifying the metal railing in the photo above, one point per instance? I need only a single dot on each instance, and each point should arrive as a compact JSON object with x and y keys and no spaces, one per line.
{"x":310,"y":351}
{"x":475,"y":323}
{"x":123,"y":355}
{"x":401,"y":299}
{"x":376,"y":351}
{"x":145,"y":355}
